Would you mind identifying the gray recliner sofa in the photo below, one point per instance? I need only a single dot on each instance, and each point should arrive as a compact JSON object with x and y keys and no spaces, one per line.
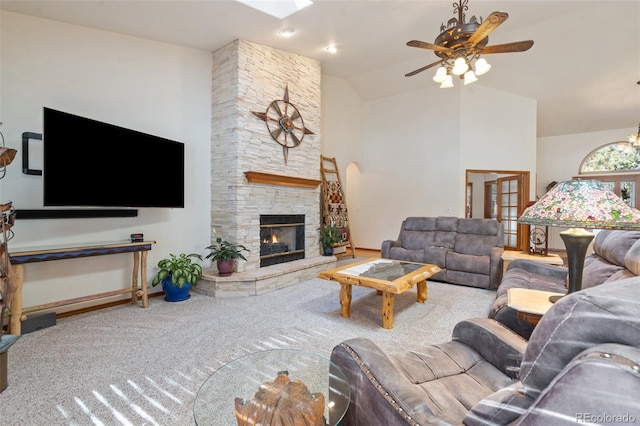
{"x":616,"y":255}
{"x":581,"y":365}
{"x":468,"y":251}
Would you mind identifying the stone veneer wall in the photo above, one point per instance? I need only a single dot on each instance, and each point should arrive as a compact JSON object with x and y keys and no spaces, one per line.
{"x":247,"y":77}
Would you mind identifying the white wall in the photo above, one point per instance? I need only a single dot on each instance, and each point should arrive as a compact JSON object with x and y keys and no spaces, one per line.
{"x":415,"y":147}
{"x":498,"y":131}
{"x":152,"y":87}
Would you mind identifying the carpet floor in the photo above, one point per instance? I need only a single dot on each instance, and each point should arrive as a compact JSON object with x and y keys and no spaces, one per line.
{"x":131,"y":366}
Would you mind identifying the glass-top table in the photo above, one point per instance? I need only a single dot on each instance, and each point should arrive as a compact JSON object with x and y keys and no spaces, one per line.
{"x":234,"y":387}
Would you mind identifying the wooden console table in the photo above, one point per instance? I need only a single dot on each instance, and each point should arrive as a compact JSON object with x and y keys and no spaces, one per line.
{"x":510,"y":255}
{"x":20,"y":257}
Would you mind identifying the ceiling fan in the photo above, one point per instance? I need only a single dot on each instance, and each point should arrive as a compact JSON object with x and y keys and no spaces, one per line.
{"x":460,"y":43}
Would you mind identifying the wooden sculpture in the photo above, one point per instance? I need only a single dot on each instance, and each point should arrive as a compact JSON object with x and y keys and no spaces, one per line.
{"x":281,"y":403}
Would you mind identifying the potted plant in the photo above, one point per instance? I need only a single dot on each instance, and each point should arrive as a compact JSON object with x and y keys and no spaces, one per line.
{"x":224,"y":253}
{"x":328,"y":237}
{"x":177,"y":275}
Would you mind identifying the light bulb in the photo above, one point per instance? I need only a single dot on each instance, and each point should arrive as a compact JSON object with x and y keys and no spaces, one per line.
{"x":460,"y":66}
{"x":469,"y":77}
{"x":447,"y":83}
{"x":441,"y":75}
{"x":482,"y":66}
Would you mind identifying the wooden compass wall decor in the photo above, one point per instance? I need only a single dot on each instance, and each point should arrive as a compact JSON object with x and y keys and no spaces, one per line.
{"x":284,"y":123}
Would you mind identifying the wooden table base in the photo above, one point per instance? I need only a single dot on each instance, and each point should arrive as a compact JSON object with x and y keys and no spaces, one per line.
{"x":387,"y":302}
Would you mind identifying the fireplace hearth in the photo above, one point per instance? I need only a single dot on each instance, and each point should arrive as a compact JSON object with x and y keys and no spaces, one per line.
{"x":281,"y":239}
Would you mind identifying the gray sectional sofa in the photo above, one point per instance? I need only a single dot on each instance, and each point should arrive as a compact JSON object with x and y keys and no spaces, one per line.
{"x":616,"y":255}
{"x":468,"y":251}
{"x":580,"y":365}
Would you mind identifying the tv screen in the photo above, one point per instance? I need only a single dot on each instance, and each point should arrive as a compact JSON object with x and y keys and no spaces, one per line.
{"x":91,"y":163}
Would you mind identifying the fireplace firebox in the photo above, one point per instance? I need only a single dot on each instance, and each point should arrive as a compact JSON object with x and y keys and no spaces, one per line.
{"x":281,"y":238}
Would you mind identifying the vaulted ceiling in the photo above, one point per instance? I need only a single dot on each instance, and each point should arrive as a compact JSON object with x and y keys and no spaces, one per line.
{"x":583,"y":68}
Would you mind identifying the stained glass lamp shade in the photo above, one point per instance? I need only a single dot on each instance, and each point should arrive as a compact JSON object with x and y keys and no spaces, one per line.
{"x":579,"y":204}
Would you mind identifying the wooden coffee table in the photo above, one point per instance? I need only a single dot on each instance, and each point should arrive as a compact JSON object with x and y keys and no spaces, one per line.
{"x":387,"y":276}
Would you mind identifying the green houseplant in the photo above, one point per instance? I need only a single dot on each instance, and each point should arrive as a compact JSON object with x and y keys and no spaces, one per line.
{"x":224,"y":253}
{"x":328,"y":237}
{"x":177,"y":275}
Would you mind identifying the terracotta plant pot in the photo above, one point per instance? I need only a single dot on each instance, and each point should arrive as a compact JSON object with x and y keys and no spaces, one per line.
{"x":225,"y":267}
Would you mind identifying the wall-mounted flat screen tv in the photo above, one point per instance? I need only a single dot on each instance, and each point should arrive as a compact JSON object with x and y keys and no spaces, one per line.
{"x":91,"y":163}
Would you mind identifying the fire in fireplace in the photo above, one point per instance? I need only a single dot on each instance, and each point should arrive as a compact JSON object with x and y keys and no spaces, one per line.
{"x":281,"y":238}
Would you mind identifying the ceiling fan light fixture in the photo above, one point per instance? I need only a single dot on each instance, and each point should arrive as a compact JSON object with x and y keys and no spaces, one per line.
{"x":447,"y":83}
{"x":469,"y":77}
{"x":460,"y":66}
{"x":482,"y":66}
{"x":441,"y":75}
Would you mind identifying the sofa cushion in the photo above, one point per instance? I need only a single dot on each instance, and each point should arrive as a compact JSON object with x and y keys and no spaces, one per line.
{"x":474,"y":244}
{"x":597,"y":270}
{"x":416,"y":240}
{"x":455,"y":378}
{"x":521,"y":278}
{"x":408,"y":255}
{"x":632,"y":258}
{"x":478,"y":226}
{"x":471,"y":279}
{"x":613,"y":245}
{"x":444,"y":239}
{"x":620,"y":275}
{"x":445,"y":223}
{"x":420,"y":224}
{"x":436,"y":256}
{"x":468,"y":263}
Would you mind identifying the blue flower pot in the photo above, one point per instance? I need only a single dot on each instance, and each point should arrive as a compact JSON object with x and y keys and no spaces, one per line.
{"x":173,"y":293}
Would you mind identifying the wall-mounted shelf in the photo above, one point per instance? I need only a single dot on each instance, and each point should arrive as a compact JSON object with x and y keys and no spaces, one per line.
{"x":268,"y":178}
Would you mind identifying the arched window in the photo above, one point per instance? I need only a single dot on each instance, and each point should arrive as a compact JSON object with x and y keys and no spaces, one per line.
{"x":617,"y":165}
{"x":617,"y":156}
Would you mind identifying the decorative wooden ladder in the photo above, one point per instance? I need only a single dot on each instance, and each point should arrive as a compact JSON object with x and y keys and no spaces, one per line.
{"x":334,"y":204}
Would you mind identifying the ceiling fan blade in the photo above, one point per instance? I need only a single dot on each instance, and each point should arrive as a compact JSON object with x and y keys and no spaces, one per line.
{"x":425,"y":45}
{"x":419,"y":70}
{"x":492,"y":22}
{"x":517,"y":46}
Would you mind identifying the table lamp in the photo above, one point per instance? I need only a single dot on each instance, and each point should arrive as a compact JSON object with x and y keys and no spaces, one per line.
{"x":579,"y":204}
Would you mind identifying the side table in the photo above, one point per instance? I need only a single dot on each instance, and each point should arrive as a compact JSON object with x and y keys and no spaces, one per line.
{"x":530,"y":305}
{"x":510,"y":255}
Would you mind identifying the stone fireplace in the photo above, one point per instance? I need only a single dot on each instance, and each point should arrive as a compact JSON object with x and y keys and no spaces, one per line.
{"x":247,"y":77}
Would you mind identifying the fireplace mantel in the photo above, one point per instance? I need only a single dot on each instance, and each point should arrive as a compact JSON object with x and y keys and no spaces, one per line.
{"x":268,"y":178}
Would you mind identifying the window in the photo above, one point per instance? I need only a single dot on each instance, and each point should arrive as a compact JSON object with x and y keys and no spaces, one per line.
{"x":617,"y":165}
{"x":616,"y":156}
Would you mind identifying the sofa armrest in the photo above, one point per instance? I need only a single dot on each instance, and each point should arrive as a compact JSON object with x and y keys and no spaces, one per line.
{"x":494,"y":342}
{"x":539,"y":268}
{"x":359,"y":358}
{"x":507,"y":316}
{"x":602,"y":380}
{"x":387,"y":245}
{"x":496,"y":268}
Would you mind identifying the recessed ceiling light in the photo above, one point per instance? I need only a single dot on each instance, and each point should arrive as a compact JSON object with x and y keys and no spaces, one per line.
{"x":280,"y":8}
{"x":287,"y":32}
{"x":332,"y":48}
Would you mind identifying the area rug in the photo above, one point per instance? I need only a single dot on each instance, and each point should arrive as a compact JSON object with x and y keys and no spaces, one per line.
{"x":131,"y":366}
